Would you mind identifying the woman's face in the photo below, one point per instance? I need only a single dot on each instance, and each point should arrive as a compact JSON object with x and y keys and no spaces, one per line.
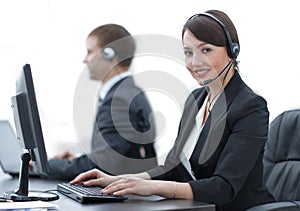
{"x":204,"y":61}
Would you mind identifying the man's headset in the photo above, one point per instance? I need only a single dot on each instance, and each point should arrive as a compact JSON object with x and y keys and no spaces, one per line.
{"x":233,"y":48}
{"x":108,"y":53}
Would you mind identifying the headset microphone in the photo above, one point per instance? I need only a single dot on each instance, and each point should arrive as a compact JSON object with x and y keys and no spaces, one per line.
{"x":211,"y":80}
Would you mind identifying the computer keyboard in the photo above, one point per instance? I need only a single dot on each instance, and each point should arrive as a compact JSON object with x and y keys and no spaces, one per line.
{"x":87,"y":194}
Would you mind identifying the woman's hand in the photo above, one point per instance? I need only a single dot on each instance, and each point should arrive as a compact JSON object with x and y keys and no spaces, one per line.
{"x":131,"y":185}
{"x":144,"y":187}
{"x":94,"y":177}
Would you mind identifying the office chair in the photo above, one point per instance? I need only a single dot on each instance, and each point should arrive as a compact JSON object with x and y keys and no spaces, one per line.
{"x":282,"y":162}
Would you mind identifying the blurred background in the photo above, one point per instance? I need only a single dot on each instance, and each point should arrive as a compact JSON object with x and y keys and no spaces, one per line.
{"x":50,"y":36}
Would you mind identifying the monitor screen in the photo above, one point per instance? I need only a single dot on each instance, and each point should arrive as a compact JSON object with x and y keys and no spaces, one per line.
{"x":27,"y":119}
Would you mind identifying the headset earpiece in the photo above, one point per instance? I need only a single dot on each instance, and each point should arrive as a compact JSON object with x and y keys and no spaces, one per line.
{"x":108,"y":53}
{"x":235,"y":50}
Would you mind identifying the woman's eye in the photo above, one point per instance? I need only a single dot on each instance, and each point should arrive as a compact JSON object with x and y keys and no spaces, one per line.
{"x":206,"y":50}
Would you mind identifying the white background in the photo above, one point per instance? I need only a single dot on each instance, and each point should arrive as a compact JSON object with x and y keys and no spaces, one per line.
{"x":50,"y":35}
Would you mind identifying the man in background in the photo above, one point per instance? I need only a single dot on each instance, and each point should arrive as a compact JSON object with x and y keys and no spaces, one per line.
{"x":123,"y":134}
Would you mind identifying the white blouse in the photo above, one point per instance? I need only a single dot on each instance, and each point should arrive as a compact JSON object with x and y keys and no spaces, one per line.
{"x":193,"y":138}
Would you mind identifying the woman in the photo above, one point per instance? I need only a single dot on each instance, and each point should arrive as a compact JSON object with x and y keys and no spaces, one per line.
{"x":217,"y":155}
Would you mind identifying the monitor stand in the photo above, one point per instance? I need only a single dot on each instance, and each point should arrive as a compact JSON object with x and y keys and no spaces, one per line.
{"x":22,"y":193}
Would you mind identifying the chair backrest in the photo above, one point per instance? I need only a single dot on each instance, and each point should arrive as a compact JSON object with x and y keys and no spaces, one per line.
{"x":282,"y":157}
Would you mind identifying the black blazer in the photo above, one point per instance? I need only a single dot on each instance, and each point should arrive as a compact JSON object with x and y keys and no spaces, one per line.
{"x":227,"y":159}
{"x":123,"y":136}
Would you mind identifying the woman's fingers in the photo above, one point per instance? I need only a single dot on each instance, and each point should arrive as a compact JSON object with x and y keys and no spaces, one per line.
{"x":124,"y":191}
{"x":92,"y":182}
{"x":85,"y":176}
{"x":116,"y":185}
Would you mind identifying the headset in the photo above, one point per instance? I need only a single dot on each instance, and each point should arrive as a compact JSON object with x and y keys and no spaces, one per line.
{"x":233,"y":48}
{"x":108,"y":53}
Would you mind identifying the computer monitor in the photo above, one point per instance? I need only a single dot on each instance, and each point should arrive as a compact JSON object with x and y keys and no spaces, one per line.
{"x":30,"y":135}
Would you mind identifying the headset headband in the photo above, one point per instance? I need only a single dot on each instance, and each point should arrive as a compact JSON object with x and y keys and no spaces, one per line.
{"x":232,"y":48}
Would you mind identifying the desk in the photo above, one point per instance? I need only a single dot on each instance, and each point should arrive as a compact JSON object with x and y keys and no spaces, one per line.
{"x":133,"y":203}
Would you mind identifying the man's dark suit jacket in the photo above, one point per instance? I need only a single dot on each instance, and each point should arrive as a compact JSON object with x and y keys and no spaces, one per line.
{"x":227,"y":158}
{"x":123,"y":136}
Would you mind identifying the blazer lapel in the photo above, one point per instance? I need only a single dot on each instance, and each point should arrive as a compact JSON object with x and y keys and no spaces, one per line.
{"x":188,"y":118}
{"x":212,"y":132}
